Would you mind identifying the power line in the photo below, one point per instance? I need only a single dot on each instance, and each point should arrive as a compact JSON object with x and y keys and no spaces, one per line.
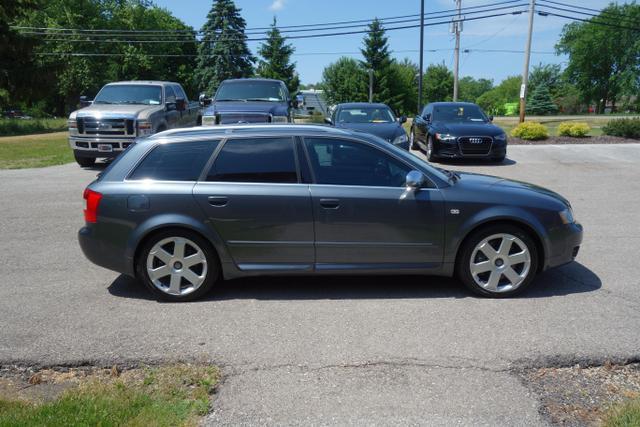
{"x":595,"y":15}
{"x":590,"y":21}
{"x":192,"y":31}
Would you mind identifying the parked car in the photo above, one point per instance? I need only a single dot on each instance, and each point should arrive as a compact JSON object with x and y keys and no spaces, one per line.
{"x":376,"y":119}
{"x":454,"y":130}
{"x":248,"y":101}
{"x":184,"y":209}
{"x":124,"y":111}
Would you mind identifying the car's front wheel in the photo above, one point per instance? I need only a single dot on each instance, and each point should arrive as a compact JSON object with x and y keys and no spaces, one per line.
{"x":498,"y":261}
{"x":413,"y":145}
{"x":430,"y":150}
{"x":178,"y":265}
{"x":84,"y":162}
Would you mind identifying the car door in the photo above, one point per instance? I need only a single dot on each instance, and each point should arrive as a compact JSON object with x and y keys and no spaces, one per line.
{"x":187,"y":116}
{"x":172,"y":114}
{"x":365,"y":218}
{"x":422,"y":126}
{"x":254,"y":201}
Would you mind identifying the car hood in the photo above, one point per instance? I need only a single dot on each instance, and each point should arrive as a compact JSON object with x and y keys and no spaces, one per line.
{"x":468,"y":129}
{"x":473,"y":181}
{"x":387,"y":131}
{"x":116,"y":109}
{"x":274,"y":108}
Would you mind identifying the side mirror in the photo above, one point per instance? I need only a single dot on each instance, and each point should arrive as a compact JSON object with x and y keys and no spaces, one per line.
{"x":204,"y":100}
{"x":490,"y":118}
{"x":85,"y":102}
{"x":181,"y":104}
{"x":427,"y":117}
{"x":328,"y":121}
{"x":402,"y":119}
{"x":415,"y":180}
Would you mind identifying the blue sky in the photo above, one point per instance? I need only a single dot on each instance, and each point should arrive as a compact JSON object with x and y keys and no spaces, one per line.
{"x":312,"y":55}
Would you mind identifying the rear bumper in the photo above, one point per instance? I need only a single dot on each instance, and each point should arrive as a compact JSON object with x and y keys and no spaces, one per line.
{"x":103,"y":254}
{"x":565,"y":244}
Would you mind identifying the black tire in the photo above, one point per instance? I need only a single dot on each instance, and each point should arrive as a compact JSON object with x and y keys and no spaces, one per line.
{"x":84,"y":162}
{"x":463,"y":266}
{"x":413,"y":145}
{"x":431,"y":157}
{"x":212,"y":264}
{"x":498,"y":159}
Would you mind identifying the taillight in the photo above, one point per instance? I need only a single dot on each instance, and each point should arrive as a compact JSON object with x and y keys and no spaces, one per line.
{"x":92,"y":199}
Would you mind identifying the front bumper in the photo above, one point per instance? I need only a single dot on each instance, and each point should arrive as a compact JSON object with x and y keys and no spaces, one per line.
{"x":453,"y":151}
{"x":564,"y":244}
{"x":99,"y":147}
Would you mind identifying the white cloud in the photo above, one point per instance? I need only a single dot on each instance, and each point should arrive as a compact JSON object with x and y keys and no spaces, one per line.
{"x":277,"y":5}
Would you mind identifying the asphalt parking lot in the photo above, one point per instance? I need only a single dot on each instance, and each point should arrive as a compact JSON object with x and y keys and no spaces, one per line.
{"x":337,"y":350}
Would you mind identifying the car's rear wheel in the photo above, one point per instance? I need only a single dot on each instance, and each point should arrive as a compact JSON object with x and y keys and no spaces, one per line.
{"x":498,"y":261}
{"x":412,"y":140}
{"x":178,"y":265}
{"x":84,"y":162}
{"x":430,"y":154}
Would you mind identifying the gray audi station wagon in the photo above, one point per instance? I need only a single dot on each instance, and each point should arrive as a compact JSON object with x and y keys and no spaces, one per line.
{"x":186,"y":208}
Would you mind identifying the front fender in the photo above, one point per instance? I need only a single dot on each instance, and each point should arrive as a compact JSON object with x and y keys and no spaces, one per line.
{"x":170,"y":220}
{"x":457,"y":234}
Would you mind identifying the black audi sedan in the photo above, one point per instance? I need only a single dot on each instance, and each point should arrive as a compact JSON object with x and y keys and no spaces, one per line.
{"x":453,"y":130}
{"x":374,"y":118}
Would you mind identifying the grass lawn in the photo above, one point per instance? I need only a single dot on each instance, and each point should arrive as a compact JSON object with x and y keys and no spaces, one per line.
{"x":9,"y":127}
{"x":625,"y":415}
{"x":34,"y":151}
{"x":174,"y":395}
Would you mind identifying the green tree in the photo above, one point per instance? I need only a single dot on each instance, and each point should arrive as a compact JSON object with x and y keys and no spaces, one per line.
{"x":405,"y":85}
{"x":471,"y":89}
{"x":344,"y":81}
{"x":540,"y":102}
{"x":223,"y":52}
{"x":507,"y":92}
{"x":437,"y":83}
{"x":604,"y":60}
{"x":377,"y":57}
{"x":549,"y":75}
{"x":277,"y":60}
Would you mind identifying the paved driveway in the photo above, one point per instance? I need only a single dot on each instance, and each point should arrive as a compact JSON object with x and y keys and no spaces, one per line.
{"x":336,"y":350}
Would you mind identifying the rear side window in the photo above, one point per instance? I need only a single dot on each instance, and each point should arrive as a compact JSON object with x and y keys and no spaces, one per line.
{"x":181,"y":161}
{"x":269,"y":160}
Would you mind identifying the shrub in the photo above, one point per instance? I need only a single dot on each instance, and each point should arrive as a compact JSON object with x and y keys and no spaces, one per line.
{"x":626,"y":128}
{"x":531,"y":131}
{"x":574,"y":129}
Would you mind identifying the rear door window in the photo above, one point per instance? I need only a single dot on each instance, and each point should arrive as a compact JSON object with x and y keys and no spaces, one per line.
{"x":260,"y":160}
{"x":178,"y":161}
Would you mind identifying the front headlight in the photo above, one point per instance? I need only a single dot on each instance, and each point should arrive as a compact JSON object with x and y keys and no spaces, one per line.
{"x":208,"y":120}
{"x":400,"y":139}
{"x":73,"y":126}
{"x":500,"y":138}
{"x":566,"y":216}
{"x":279,"y":119}
{"x":145,"y":128}
{"x":445,"y":137}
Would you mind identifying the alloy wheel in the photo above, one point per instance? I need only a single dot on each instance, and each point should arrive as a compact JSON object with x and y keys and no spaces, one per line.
{"x":177,"y":266}
{"x":500,"y":263}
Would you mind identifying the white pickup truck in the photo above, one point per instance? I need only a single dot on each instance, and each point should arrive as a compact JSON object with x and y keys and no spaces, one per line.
{"x":124,"y":111}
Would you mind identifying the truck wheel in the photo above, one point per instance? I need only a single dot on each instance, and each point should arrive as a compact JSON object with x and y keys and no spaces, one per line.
{"x":84,"y":162}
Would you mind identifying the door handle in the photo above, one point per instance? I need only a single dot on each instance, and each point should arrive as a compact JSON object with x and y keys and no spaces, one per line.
{"x":330,"y":203}
{"x":218,"y":201}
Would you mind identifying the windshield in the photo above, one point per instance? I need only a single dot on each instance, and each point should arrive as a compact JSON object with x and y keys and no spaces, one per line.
{"x":130,"y":94}
{"x":459,"y":113}
{"x":365,"y":115}
{"x":248,"y":90}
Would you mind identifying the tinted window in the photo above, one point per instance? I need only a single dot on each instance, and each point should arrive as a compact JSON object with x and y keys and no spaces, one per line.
{"x":251,"y":90}
{"x":366,"y":115}
{"x":129,"y":94}
{"x":459,"y":113}
{"x":255,"y":160}
{"x":179,"y":92}
{"x":343,"y":162}
{"x":182,"y":161}
{"x":170,"y":94}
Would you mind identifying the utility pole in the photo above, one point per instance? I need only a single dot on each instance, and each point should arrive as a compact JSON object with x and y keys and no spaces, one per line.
{"x":527,"y":57}
{"x":421,"y":55}
{"x":457,"y":28}
{"x":370,"y":86}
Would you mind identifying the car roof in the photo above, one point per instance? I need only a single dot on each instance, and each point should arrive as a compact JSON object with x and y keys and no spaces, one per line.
{"x":451,"y":104}
{"x":141,"y":82}
{"x":252,"y":79}
{"x":246,"y":129}
{"x":361,"y":104}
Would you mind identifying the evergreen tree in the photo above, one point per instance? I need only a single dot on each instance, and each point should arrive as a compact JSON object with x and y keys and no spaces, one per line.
{"x":377,"y":57}
{"x":540,"y":102}
{"x":276,"y":63}
{"x":344,"y":81}
{"x":223,"y":52}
